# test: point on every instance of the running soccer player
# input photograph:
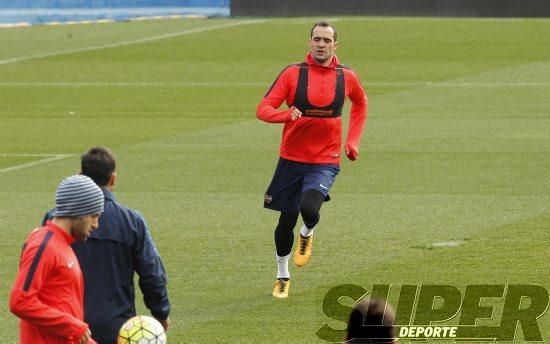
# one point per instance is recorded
(314, 91)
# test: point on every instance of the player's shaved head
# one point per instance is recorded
(323, 23)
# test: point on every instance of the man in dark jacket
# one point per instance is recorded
(119, 247)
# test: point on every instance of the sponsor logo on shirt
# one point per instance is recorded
(319, 113)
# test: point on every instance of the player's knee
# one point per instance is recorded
(308, 210)
(310, 214)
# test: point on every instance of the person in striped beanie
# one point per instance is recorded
(48, 293)
(122, 246)
(76, 197)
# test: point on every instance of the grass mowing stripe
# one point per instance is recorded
(135, 84)
(137, 41)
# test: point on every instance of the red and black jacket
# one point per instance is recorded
(319, 93)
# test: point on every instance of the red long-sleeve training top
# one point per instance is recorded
(316, 138)
(48, 293)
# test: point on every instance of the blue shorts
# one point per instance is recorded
(291, 178)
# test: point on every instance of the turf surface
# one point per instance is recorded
(451, 185)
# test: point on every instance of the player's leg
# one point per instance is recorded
(316, 186)
(310, 206)
(283, 194)
(284, 237)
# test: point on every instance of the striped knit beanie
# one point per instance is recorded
(78, 196)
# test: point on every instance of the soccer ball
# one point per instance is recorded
(141, 329)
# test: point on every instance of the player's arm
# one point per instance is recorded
(358, 116)
(152, 276)
(268, 109)
(35, 266)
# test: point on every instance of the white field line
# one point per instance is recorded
(452, 243)
(47, 158)
(123, 43)
(255, 84)
(134, 84)
(460, 84)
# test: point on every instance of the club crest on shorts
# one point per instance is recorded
(268, 198)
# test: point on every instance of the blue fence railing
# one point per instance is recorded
(111, 3)
(46, 11)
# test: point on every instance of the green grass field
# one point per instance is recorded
(451, 186)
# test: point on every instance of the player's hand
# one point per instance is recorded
(165, 323)
(87, 338)
(351, 152)
(294, 113)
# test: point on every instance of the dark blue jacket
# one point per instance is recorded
(121, 245)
